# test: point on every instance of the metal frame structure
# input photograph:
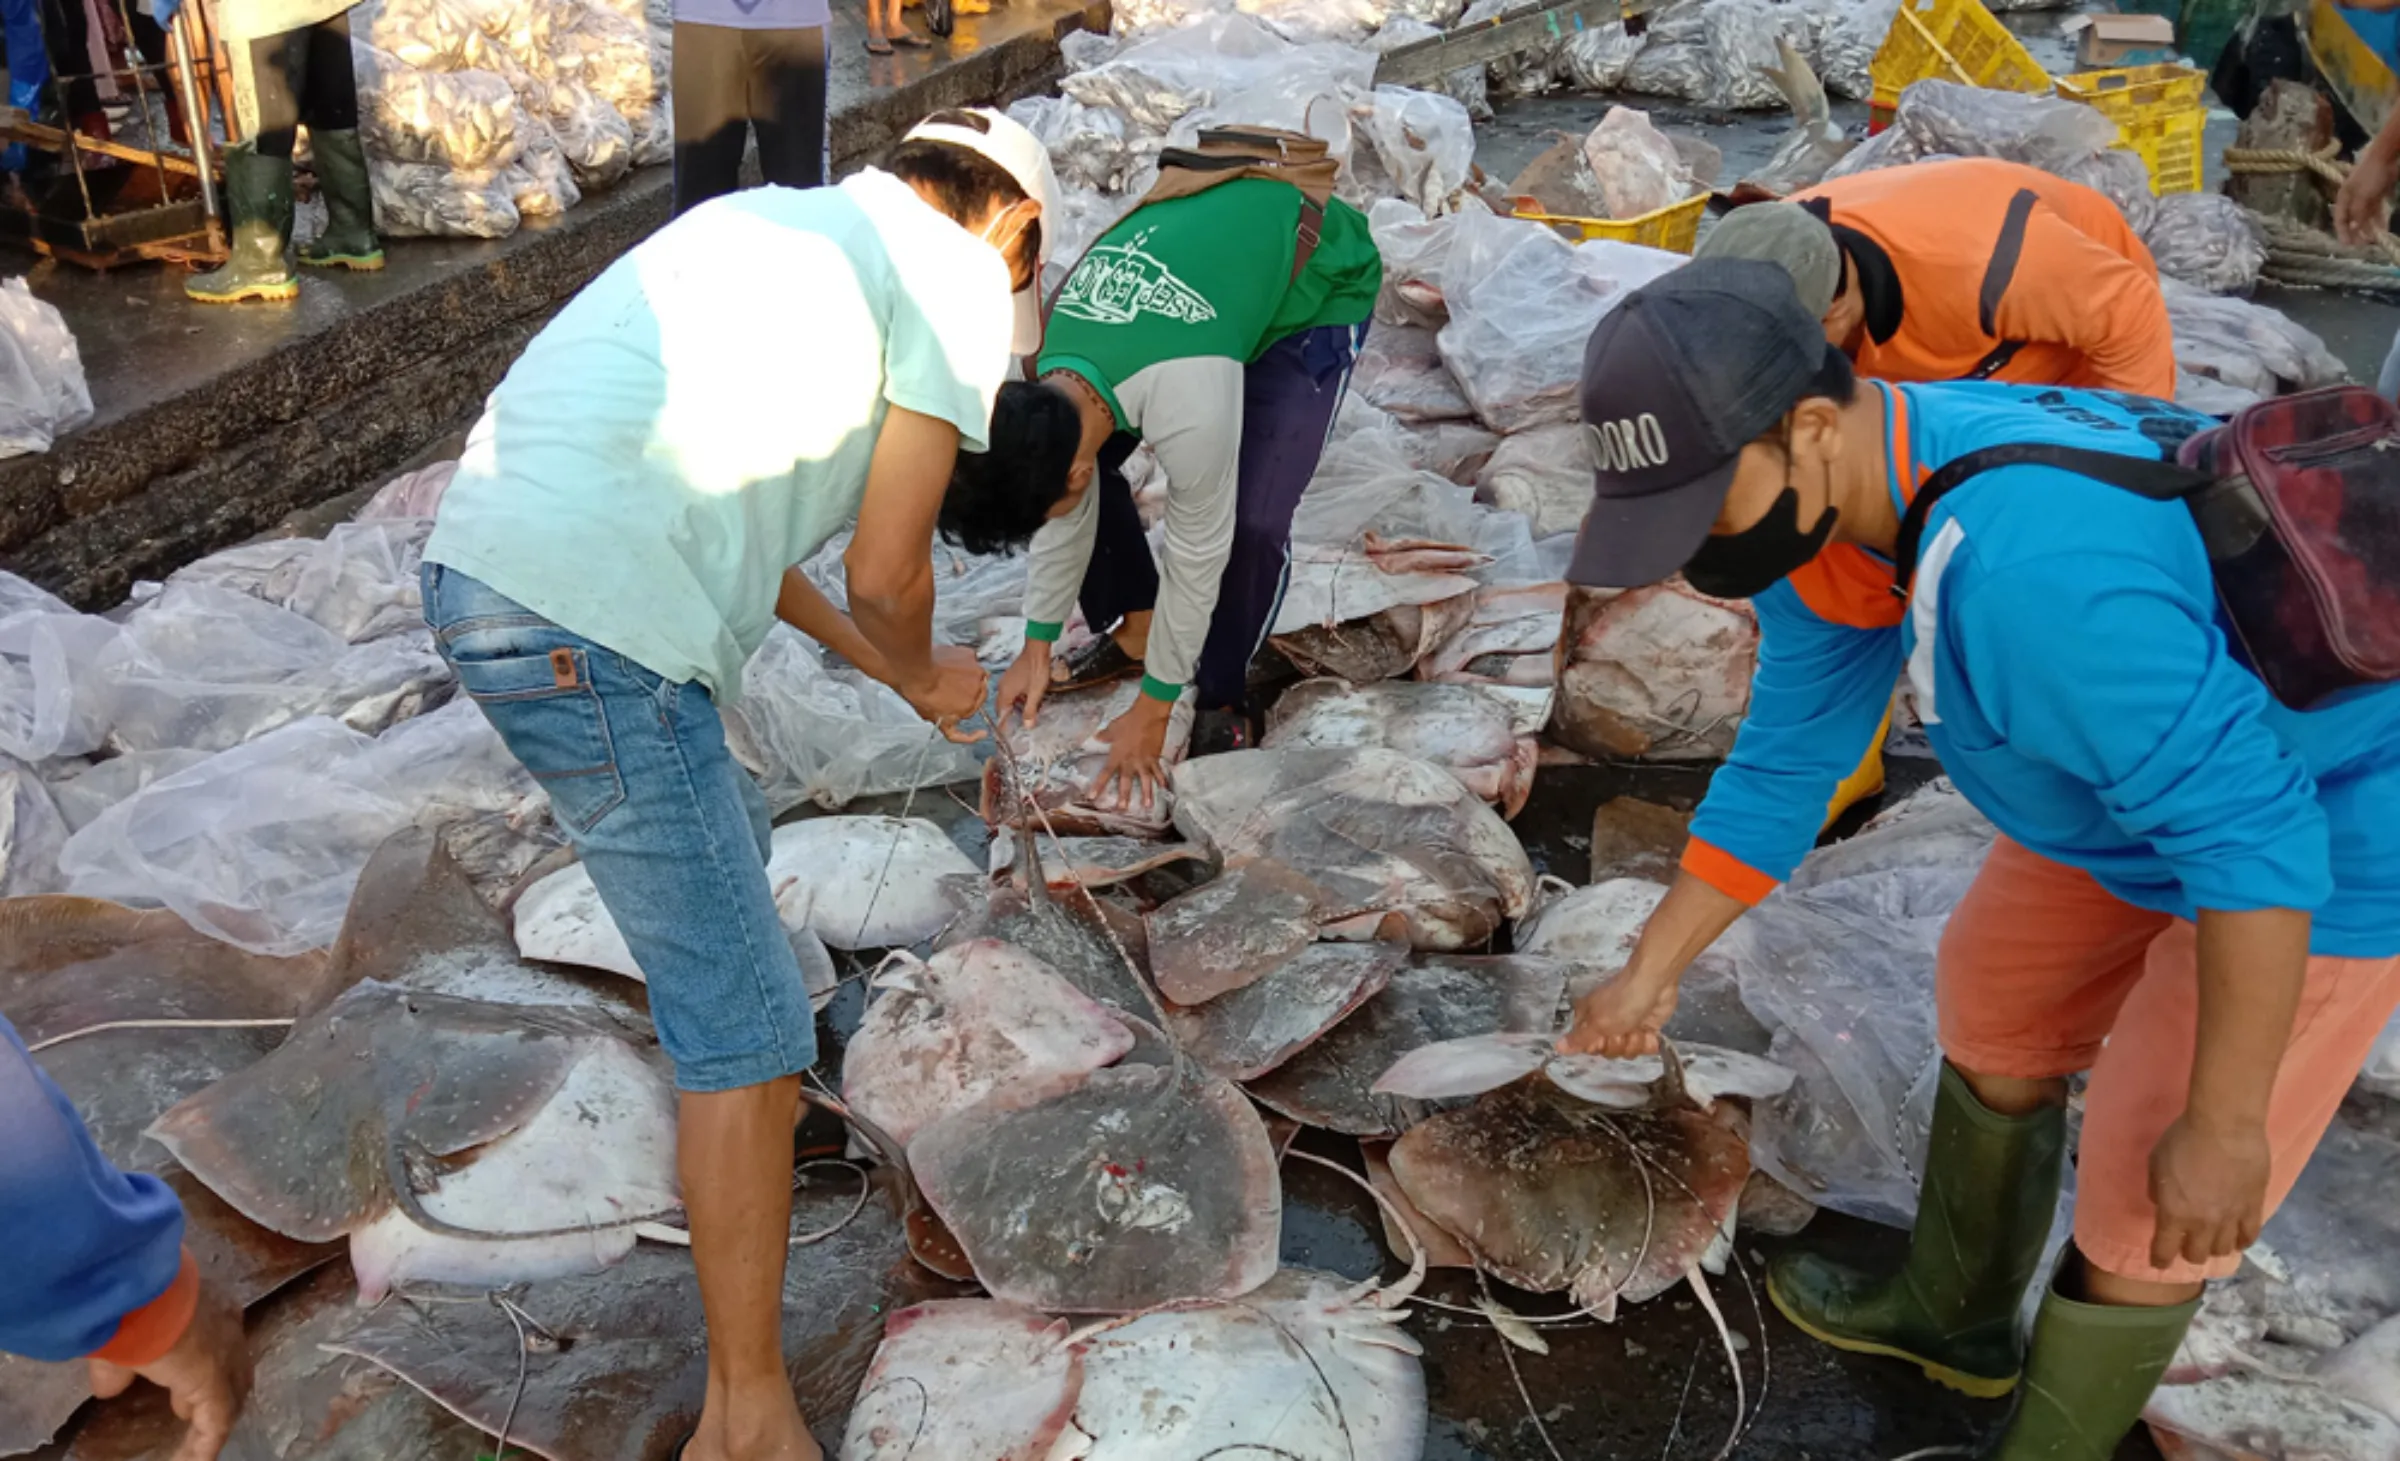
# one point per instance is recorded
(1521, 28)
(162, 203)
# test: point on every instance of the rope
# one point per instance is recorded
(2326, 165)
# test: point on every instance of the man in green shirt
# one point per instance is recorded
(1187, 326)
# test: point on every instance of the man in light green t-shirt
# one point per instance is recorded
(1187, 327)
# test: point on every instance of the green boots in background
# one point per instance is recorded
(258, 213)
(348, 241)
(1983, 1217)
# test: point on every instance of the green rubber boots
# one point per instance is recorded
(348, 241)
(1983, 1217)
(258, 211)
(1990, 1191)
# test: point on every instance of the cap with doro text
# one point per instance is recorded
(1022, 156)
(1691, 368)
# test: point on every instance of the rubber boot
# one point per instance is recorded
(258, 207)
(2091, 1371)
(348, 241)
(1983, 1218)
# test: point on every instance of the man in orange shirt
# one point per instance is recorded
(1972, 269)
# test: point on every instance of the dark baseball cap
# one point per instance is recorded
(1691, 368)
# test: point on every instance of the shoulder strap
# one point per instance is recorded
(2159, 480)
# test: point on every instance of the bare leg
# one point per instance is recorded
(1133, 633)
(2100, 1287)
(2010, 1095)
(734, 1154)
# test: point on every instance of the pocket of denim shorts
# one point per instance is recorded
(559, 731)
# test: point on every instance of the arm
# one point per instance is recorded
(802, 606)
(2073, 290)
(889, 571)
(1818, 694)
(2363, 209)
(1191, 415)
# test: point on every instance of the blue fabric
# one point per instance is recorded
(86, 1244)
(2379, 29)
(28, 67)
(671, 828)
(2081, 690)
(755, 14)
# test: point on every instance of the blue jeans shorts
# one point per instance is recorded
(671, 828)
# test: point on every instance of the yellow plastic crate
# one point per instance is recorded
(1675, 228)
(1952, 40)
(2160, 112)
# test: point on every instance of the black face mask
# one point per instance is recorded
(1745, 564)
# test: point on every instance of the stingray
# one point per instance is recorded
(1092, 862)
(1086, 941)
(944, 1034)
(1637, 839)
(1232, 931)
(1109, 1192)
(1243, 1035)
(1816, 141)
(869, 882)
(1551, 1193)
(613, 1364)
(1331, 1084)
(1386, 643)
(1376, 829)
(1592, 930)
(561, 920)
(1300, 1368)
(1682, 1074)
(1045, 778)
(966, 1378)
(1406, 1230)
(306, 1403)
(354, 1117)
(1655, 674)
(1471, 733)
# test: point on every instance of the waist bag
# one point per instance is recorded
(2298, 503)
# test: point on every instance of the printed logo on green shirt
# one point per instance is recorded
(1117, 283)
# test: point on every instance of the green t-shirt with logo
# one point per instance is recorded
(1207, 275)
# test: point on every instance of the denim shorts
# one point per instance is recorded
(671, 828)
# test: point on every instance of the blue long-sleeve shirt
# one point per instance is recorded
(86, 1245)
(2066, 650)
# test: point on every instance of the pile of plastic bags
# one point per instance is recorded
(42, 392)
(478, 114)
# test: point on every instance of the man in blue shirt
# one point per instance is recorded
(97, 1269)
(2197, 894)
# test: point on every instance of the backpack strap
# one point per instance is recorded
(1312, 232)
(2154, 478)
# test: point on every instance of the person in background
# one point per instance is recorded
(624, 529)
(1195, 325)
(97, 1269)
(887, 28)
(291, 68)
(1971, 269)
(745, 66)
(2195, 895)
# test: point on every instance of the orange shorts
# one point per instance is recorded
(2045, 973)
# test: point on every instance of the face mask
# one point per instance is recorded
(1745, 564)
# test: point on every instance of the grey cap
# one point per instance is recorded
(1788, 236)
(1691, 368)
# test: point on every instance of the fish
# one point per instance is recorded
(1476, 736)
(869, 882)
(1300, 1367)
(359, 1114)
(1656, 674)
(1094, 862)
(306, 1403)
(1432, 998)
(1815, 143)
(1232, 931)
(1591, 930)
(1379, 831)
(1249, 1032)
(1345, 614)
(1044, 778)
(944, 1033)
(1637, 839)
(1552, 1194)
(612, 1361)
(1545, 474)
(1108, 1193)
(1681, 1074)
(1510, 638)
(561, 920)
(966, 1378)
(1091, 943)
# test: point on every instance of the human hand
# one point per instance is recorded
(2210, 1184)
(206, 1375)
(2364, 206)
(1622, 1018)
(1137, 744)
(950, 692)
(1026, 681)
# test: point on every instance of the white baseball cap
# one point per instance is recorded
(1022, 156)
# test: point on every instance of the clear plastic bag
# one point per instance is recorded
(1941, 118)
(1840, 966)
(1416, 255)
(42, 390)
(51, 701)
(1090, 147)
(359, 581)
(1545, 474)
(813, 733)
(543, 186)
(1221, 60)
(421, 200)
(1401, 372)
(1424, 143)
(86, 791)
(32, 833)
(1522, 303)
(431, 35)
(1598, 58)
(2206, 240)
(597, 142)
(2245, 347)
(458, 119)
(653, 138)
(411, 494)
(1635, 167)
